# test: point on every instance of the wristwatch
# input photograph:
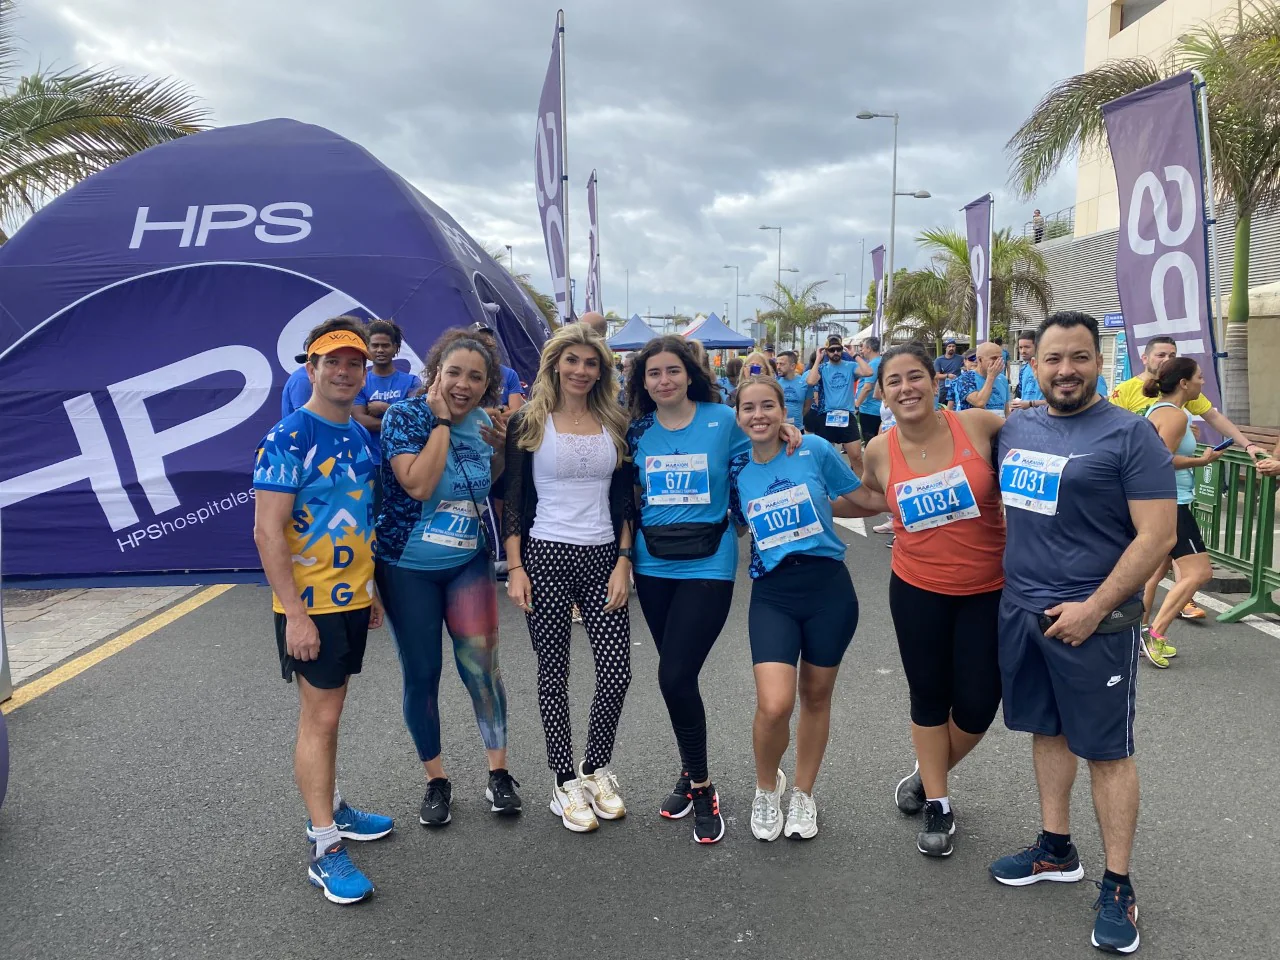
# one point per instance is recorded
(443, 422)
(628, 552)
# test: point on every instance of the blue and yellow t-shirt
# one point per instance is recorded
(329, 469)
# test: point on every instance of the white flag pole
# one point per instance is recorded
(1214, 273)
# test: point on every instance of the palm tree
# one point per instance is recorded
(545, 304)
(921, 306)
(795, 310)
(1017, 274)
(1242, 70)
(58, 127)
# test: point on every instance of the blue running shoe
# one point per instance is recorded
(356, 824)
(338, 877)
(1036, 863)
(1116, 929)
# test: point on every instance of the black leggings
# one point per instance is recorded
(949, 653)
(685, 618)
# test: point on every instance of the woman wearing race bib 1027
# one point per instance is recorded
(440, 451)
(803, 609)
(681, 442)
(935, 469)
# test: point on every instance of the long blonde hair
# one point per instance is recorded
(544, 395)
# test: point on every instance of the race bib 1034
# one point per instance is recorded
(936, 500)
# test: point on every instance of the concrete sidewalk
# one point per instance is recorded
(44, 627)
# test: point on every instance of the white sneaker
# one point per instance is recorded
(886, 527)
(603, 792)
(572, 805)
(802, 817)
(766, 811)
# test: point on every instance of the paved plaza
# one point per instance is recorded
(152, 813)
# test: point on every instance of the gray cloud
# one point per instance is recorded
(704, 120)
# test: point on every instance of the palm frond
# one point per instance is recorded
(1069, 118)
(9, 52)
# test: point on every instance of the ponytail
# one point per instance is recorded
(1171, 373)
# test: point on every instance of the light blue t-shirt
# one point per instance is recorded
(870, 406)
(444, 531)
(971, 382)
(1186, 477)
(839, 382)
(386, 389)
(510, 384)
(786, 503)
(296, 393)
(683, 476)
(1102, 385)
(1028, 385)
(795, 391)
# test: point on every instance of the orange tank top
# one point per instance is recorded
(949, 523)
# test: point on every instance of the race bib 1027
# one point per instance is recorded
(783, 517)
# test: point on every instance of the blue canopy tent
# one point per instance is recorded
(635, 333)
(714, 335)
(149, 318)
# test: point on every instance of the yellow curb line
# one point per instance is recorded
(72, 668)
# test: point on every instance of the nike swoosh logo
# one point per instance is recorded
(1113, 681)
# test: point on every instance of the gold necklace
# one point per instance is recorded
(924, 450)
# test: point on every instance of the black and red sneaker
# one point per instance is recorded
(708, 825)
(681, 800)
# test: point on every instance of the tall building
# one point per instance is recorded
(1116, 29)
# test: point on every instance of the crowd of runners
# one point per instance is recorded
(1030, 529)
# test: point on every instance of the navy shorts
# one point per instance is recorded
(1086, 693)
(803, 609)
(343, 636)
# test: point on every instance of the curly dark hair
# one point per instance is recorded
(453, 340)
(390, 328)
(701, 389)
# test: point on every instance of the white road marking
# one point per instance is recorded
(1269, 627)
(855, 524)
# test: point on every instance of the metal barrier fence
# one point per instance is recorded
(1236, 509)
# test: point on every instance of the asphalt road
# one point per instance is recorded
(152, 813)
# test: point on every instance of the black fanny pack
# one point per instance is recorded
(1121, 618)
(684, 541)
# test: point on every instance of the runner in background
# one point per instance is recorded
(935, 469)
(797, 393)
(986, 387)
(867, 402)
(948, 366)
(838, 378)
(384, 384)
(803, 607)
(1129, 395)
(1175, 387)
(440, 452)
(1029, 394)
(729, 382)
(313, 527)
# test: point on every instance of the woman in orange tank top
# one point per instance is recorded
(935, 469)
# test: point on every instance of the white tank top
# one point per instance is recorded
(572, 474)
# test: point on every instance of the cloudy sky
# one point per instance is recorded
(704, 118)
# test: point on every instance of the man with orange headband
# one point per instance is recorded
(313, 526)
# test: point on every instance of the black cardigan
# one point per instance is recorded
(521, 503)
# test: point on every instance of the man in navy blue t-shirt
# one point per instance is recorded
(1089, 497)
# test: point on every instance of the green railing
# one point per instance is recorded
(1236, 509)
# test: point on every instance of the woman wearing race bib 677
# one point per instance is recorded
(935, 468)
(803, 608)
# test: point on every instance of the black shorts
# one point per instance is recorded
(870, 424)
(342, 641)
(1189, 540)
(1087, 694)
(839, 435)
(803, 609)
(813, 422)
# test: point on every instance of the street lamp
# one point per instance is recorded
(779, 229)
(894, 194)
(736, 295)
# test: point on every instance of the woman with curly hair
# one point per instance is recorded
(440, 452)
(568, 530)
(682, 440)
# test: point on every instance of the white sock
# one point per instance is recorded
(325, 837)
(945, 801)
(337, 798)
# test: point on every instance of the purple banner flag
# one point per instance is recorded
(877, 276)
(594, 300)
(1162, 262)
(549, 174)
(977, 221)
